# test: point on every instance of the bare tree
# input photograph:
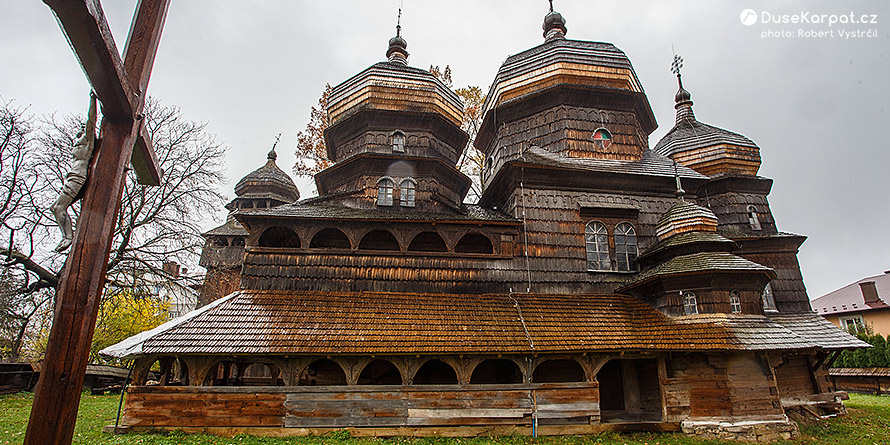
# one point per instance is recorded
(156, 224)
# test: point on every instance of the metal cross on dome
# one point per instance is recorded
(677, 64)
(120, 86)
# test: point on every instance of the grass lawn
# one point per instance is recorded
(867, 423)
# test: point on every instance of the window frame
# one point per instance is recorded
(631, 262)
(398, 147)
(689, 301)
(596, 243)
(611, 227)
(768, 298)
(856, 321)
(754, 219)
(408, 192)
(385, 198)
(735, 302)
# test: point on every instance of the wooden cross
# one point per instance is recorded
(120, 86)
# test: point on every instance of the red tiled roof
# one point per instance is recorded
(290, 322)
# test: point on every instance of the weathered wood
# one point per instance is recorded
(57, 394)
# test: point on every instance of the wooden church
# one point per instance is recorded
(598, 283)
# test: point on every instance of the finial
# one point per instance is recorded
(398, 47)
(682, 95)
(272, 156)
(680, 192)
(554, 25)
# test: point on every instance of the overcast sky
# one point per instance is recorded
(816, 106)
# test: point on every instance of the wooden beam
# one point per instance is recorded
(57, 394)
(139, 56)
(142, 42)
(83, 22)
(144, 160)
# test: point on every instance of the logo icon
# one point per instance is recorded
(748, 17)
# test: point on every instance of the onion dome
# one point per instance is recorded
(705, 148)
(554, 25)
(685, 217)
(266, 183)
(398, 48)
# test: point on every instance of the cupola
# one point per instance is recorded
(267, 186)
(587, 93)
(704, 148)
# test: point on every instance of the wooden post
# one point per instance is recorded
(57, 394)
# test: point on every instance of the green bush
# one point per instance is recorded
(877, 355)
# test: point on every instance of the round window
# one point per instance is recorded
(602, 138)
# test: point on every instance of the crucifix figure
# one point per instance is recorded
(75, 179)
(120, 87)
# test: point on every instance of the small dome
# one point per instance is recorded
(554, 25)
(268, 181)
(398, 48)
(682, 95)
(685, 217)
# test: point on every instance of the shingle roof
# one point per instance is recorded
(268, 179)
(849, 298)
(230, 228)
(563, 50)
(282, 322)
(683, 239)
(859, 372)
(818, 330)
(691, 134)
(652, 164)
(471, 212)
(700, 262)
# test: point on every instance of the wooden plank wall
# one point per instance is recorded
(200, 406)
(445, 405)
(736, 385)
(362, 406)
(793, 377)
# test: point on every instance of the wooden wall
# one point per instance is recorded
(368, 406)
(738, 385)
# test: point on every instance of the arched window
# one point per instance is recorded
(753, 219)
(427, 242)
(496, 371)
(330, 239)
(769, 302)
(322, 372)
(279, 237)
(435, 372)
(474, 243)
(380, 372)
(735, 302)
(690, 304)
(558, 371)
(398, 142)
(625, 247)
(378, 240)
(406, 193)
(597, 239)
(384, 191)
